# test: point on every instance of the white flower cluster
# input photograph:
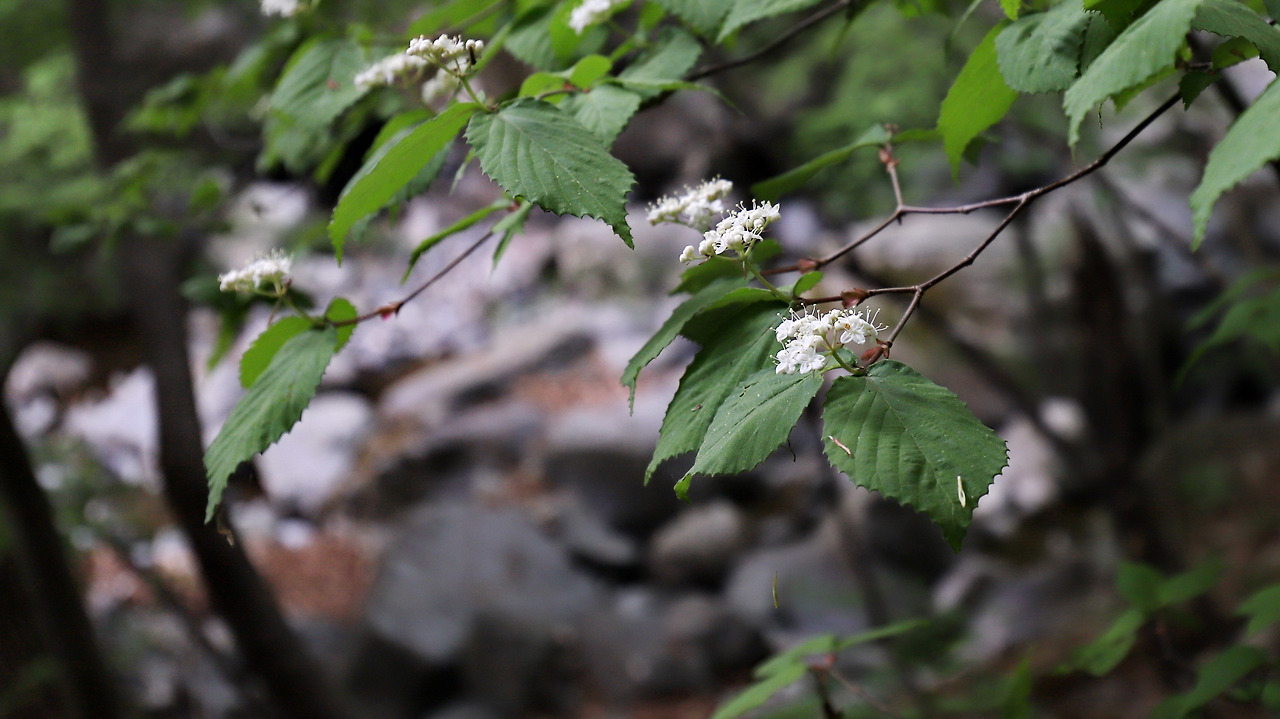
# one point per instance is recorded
(390, 71)
(695, 208)
(272, 268)
(593, 12)
(737, 232)
(283, 8)
(808, 338)
(447, 52)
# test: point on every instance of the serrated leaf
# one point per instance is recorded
(1212, 680)
(1233, 19)
(456, 227)
(605, 110)
(1192, 84)
(1117, 13)
(1097, 39)
(1232, 51)
(399, 164)
(978, 99)
(264, 347)
(1110, 648)
(736, 342)
(1145, 48)
(759, 693)
(535, 151)
(895, 432)
(270, 408)
(671, 329)
(1252, 141)
(1011, 8)
(704, 16)
(744, 12)
(1041, 52)
(1263, 609)
(793, 179)
(754, 420)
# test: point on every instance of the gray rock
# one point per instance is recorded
(699, 545)
(307, 466)
(455, 564)
(589, 538)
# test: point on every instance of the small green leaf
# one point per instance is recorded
(1041, 52)
(896, 433)
(605, 110)
(744, 12)
(1145, 48)
(1234, 19)
(737, 341)
(807, 281)
(830, 644)
(978, 99)
(793, 179)
(1252, 141)
(704, 16)
(671, 328)
(1107, 651)
(341, 310)
(260, 352)
(462, 224)
(1011, 8)
(672, 55)
(540, 82)
(534, 150)
(1232, 51)
(1139, 584)
(586, 71)
(510, 226)
(755, 419)
(1192, 84)
(401, 163)
(1190, 584)
(1214, 678)
(1263, 609)
(271, 406)
(760, 692)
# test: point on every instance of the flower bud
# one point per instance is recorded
(875, 354)
(853, 297)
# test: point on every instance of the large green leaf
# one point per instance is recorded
(672, 327)
(748, 11)
(793, 179)
(1252, 141)
(701, 15)
(895, 432)
(1041, 52)
(318, 82)
(737, 341)
(1145, 48)
(271, 406)
(258, 356)
(399, 163)
(754, 420)
(604, 110)
(1234, 19)
(535, 151)
(978, 99)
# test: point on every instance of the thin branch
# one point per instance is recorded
(776, 43)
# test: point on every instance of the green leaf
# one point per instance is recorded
(1192, 84)
(672, 327)
(895, 432)
(748, 11)
(1233, 19)
(510, 226)
(1254, 318)
(1252, 141)
(605, 110)
(1190, 584)
(759, 693)
(271, 406)
(394, 126)
(1214, 678)
(1107, 651)
(1011, 8)
(540, 82)
(704, 16)
(260, 352)
(673, 54)
(700, 275)
(1139, 584)
(754, 420)
(462, 224)
(831, 644)
(1145, 48)
(978, 99)
(1041, 52)
(399, 164)
(1118, 13)
(1263, 609)
(807, 281)
(535, 151)
(586, 71)
(318, 82)
(737, 341)
(793, 179)
(1232, 51)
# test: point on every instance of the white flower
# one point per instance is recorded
(446, 52)
(283, 8)
(695, 207)
(689, 255)
(742, 229)
(440, 87)
(272, 268)
(389, 71)
(593, 12)
(809, 338)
